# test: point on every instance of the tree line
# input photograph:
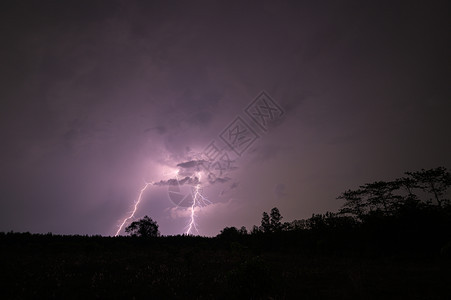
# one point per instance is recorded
(398, 205)
(424, 190)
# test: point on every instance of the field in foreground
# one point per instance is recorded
(181, 267)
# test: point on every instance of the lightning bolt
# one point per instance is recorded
(132, 214)
(192, 223)
(199, 200)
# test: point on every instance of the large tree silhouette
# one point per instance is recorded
(276, 218)
(271, 222)
(388, 197)
(434, 181)
(265, 224)
(145, 227)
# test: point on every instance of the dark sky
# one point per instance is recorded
(99, 97)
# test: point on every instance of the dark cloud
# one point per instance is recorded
(233, 186)
(191, 164)
(214, 179)
(175, 182)
(159, 129)
(201, 119)
(279, 190)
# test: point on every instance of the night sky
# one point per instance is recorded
(100, 97)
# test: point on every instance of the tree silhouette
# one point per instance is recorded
(145, 227)
(270, 223)
(354, 203)
(381, 197)
(384, 198)
(229, 232)
(408, 184)
(243, 230)
(295, 225)
(265, 224)
(255, 230)
(276, 217)
(434, 181)
(232, 232)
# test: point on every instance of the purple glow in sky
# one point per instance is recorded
(100, 97)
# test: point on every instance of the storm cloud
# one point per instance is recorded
(174, 182)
